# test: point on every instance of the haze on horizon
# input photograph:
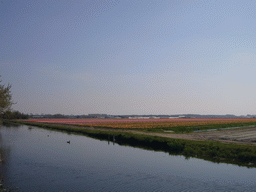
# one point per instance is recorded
(129, 57)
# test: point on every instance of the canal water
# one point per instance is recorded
(36, 159)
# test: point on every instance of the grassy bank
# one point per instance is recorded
(243, 155)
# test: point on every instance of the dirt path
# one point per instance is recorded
(240, 136)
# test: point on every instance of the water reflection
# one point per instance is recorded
(8, 124)
(87, 164)
(113, 139)
(4, 156)
(4, 151)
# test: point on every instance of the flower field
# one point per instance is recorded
(167, 124)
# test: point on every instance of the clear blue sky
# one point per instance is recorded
(130, 56)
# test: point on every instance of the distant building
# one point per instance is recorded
(100, 116)
(138, 117)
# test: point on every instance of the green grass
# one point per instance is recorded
(243, 155)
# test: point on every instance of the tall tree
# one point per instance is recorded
(5, 98)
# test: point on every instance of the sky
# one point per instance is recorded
(124, 57)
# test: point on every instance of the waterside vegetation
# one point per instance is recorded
(242, 155)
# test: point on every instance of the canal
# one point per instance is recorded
(36, 159)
